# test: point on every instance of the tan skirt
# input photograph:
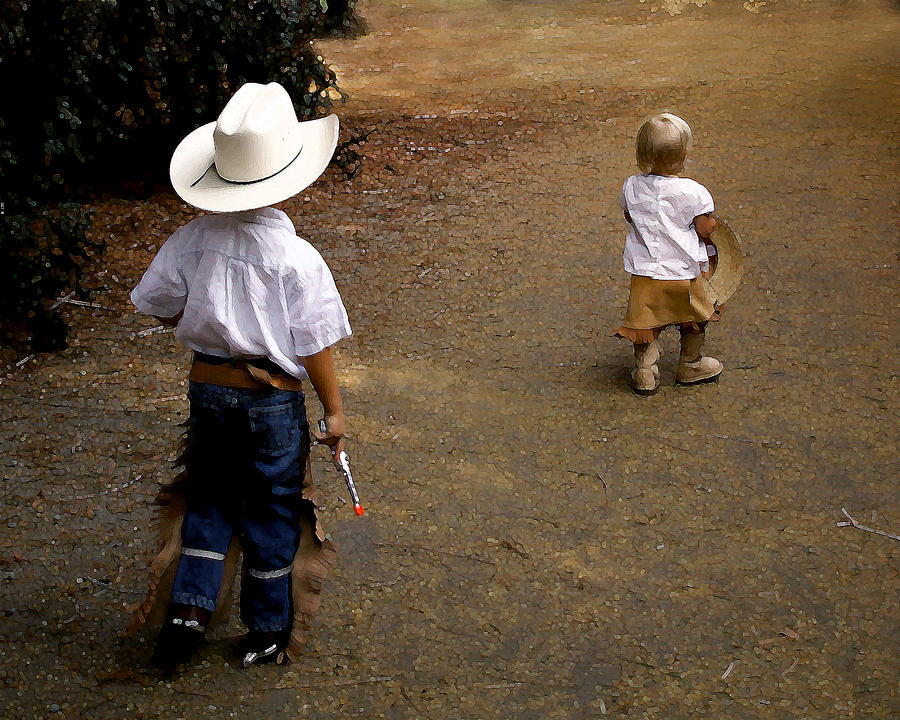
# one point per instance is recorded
(654, 305)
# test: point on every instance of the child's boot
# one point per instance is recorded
(181, 636)
(693, 366)
(260, 646)
(645, 376)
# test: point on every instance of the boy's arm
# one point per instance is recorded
(170, 321)
(320, 368)
(162, 290)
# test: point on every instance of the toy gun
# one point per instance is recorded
(344, 461)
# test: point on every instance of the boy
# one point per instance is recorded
(259, 307)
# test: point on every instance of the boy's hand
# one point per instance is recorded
(332, 436)
(170, 321)
(320, 369)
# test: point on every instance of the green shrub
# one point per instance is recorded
(98, 94)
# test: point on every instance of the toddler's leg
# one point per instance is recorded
(693, 366)
(645, 376)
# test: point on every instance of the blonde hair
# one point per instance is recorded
(662, 143)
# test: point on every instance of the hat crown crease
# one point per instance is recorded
(232, 116)
(257, 134)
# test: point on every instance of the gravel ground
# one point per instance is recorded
(539, 542)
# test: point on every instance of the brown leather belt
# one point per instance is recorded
(239, 374)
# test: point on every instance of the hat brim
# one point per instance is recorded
(196, 181)
(728, 268)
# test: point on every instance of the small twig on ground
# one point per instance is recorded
(540, 519)
(24, 360)
(215, 695)
(152, 331)
(109, 586)
(331, 684)
(514, 548)
(85, 303)
(87, 496)
(594, 475)
(435, 550)
(865, 528)
(15, 366)
(341, 683)
(790, 669)
(380, 584)
(863, 414)
(60, 301)
(75, 615)
(766, 443)
(517, 683)
(414, 706)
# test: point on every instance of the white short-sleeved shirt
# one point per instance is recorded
(662, 242)
(249, 288)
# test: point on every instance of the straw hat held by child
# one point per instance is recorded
(669, 218)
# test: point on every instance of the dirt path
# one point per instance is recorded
(539, 542)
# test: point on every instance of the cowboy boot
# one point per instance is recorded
(260, 646)
(693, 367)
(645, 376)
(181, 636)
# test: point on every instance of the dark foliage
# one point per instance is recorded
(341, 19)
(98, 94)
(346, 157)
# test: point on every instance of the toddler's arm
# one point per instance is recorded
(624, 206)
(704, 224)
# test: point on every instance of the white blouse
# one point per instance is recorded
(248, 286)
(662, 242)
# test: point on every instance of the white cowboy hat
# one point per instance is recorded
(256, 154)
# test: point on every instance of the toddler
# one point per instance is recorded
(669, 221)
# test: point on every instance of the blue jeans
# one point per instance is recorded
(247, 453)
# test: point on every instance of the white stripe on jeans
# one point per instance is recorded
(270, 574)
(207, 554)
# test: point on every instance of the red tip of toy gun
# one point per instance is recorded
(359, 509)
